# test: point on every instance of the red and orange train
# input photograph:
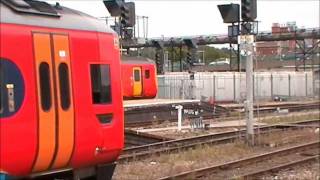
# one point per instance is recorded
(61, 100)
(139, 78)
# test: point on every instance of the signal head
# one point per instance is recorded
(248, 10)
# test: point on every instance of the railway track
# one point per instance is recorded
(273, 105)
(255, 174)
(255, 165)
(290, 108)
(140, 152)
(263, 110)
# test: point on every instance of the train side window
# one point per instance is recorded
(136, 74)
(12, 89)
(100, 83)
(2, 90)
(147, 74)
(1, 98)
(45, 89)
(64, 86)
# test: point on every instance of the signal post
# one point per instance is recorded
(246, 38)
(246, 51)
(248, 30)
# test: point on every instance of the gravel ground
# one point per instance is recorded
(159, 166)
(309, 171)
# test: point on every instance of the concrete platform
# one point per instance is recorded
(237, 123)
(268, 104)
(155, 102)
(147, 111)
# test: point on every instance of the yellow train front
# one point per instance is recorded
(61, 99)
(139, 78)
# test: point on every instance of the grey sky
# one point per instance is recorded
(191, 17)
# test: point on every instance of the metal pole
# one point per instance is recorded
(230, 50)
(295, 50)
(147, 28)
(304, 55)
(230, 55)
(138, 26)
(312, 66)
(313, 53)
(172, 56)
(238, 57)
(180, 54)
(143, 27)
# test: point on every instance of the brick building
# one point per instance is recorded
(278, 48)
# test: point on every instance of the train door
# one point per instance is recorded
(55, 101)
(137, 81)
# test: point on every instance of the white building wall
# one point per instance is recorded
(231, 86)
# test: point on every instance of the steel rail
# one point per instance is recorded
(198, 173)
(139, 152)
(279, 167)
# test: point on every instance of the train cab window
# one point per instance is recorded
(100, 83)
(45, 89)
(64, 86)
(136, 74)
(147, 74)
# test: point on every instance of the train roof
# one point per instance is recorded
(38, 13)
(136, 60)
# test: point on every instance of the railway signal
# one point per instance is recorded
(248, 10)
(127, 14)
(189, 58)
(229, 12)
(113, 7)
(159, 56)
(191, 53)
(124, 15)
(124, 10)
(159, 63)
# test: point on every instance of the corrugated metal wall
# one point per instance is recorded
(231, 86)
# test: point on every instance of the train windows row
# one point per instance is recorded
(137, 74)
(45, 87)
(100, 82)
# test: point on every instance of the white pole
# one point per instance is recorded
(249, 81)
(179, 107)
(247, 52)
